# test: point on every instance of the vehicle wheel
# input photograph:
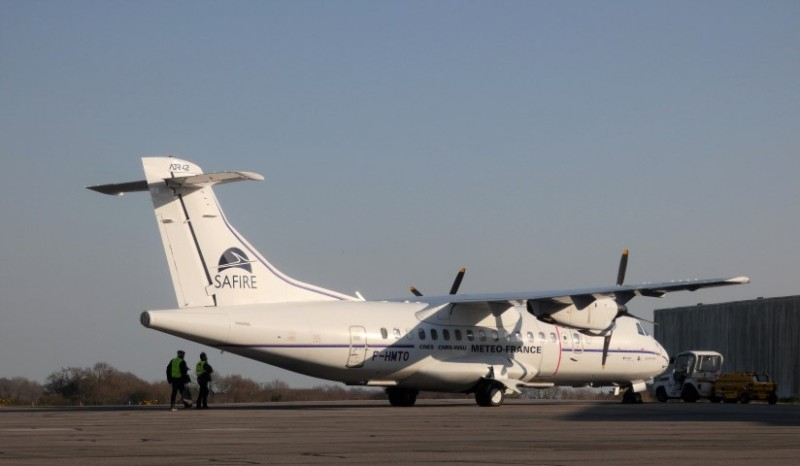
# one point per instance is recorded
(401, 396)
(744, 398)
(690, 394)
(772, 398)
(661, 395)
(490, 395)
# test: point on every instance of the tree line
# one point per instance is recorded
(104, 385)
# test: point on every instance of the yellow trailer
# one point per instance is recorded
(746, 386)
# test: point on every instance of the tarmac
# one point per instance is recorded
(433, 432)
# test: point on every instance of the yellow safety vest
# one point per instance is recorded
(176, 368)
(200, 368)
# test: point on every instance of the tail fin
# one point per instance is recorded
(211, 263)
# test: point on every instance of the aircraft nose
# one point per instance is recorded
(663, 355)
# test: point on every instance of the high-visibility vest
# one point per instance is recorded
(176, 368)
(200, 368)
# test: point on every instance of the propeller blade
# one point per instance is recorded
(606, 343)
(623, 265)
(457, 281)
(415, 291)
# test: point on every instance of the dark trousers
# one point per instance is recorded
(202, 397)
(177, 390)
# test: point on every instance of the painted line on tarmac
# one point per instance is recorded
(37, 429)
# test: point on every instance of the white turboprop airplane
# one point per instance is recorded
(231, 298)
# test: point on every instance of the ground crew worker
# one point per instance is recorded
(203, 370)
(178, 377)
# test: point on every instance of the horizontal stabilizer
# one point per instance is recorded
(193, 181)
(118, 189)
(210, 179)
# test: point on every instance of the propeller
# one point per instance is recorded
(606, 342)
(453, 289)
(623, 265)
(457, 281)
(623, 310)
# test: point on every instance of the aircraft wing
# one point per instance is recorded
(566, 307)
(619, 293)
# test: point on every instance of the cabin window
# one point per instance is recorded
(576, 338)
(434, 334)
(481, 335)
(517, 336)
(470, 335)
(458, 334)
(493, 333)
(396, 333)
(446, 334)
(530, 336)
(503, 334)
(553, 337)
(542, 338)
(421, 334)
(384, 333)
(709, 364)
(409, 334)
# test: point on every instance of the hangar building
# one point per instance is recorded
(761, 335)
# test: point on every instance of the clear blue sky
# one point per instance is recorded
(527, 141)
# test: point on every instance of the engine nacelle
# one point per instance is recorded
(597, 315)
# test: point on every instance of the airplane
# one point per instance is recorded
(490, 345)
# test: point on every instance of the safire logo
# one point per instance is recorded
(234, 258)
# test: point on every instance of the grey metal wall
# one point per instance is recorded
(757, 335)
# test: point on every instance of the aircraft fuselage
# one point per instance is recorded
(410, 344)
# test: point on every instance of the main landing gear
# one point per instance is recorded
(490, 394)
(631, 397)
(401, 396)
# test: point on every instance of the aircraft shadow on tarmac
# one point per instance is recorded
(774, 415)
(764, 414)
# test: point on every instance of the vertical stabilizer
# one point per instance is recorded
(211, 264)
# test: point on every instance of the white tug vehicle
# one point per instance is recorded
(692, 377)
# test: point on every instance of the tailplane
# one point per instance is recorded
(210, 262)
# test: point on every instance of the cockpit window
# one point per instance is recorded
(641, 329)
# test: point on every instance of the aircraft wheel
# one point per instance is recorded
(661, 395)
(631, 397)
(401, 396)
(490, 395)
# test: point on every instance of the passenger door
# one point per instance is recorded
(358, 346)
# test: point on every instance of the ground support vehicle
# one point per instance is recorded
(746, 386)
(691, 378)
